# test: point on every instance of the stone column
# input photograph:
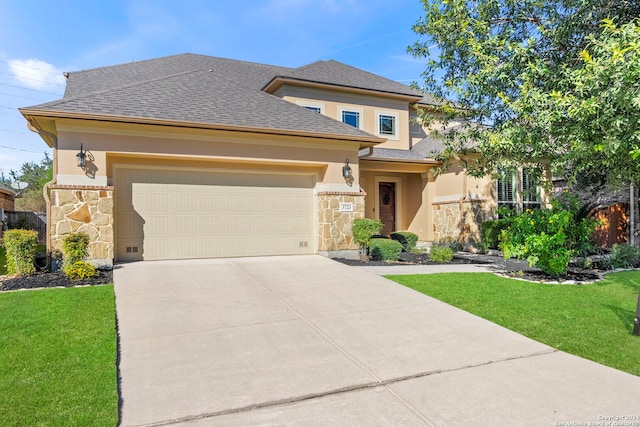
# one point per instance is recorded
(336, 212)
(85, 209)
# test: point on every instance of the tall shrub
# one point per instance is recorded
(20, 246)
(75, 247)
(362, 230)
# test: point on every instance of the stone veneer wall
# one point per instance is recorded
(459, 221)
(83, 209)
(334, 227)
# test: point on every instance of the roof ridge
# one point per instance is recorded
(98, 92)
(123, 64)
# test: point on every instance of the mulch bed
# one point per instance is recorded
(407, 258)
(509, 269)
(52, 280)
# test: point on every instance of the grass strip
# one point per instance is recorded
(58, 352)
(594, 321)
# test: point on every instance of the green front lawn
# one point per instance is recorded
(58, 357)
(592, 321)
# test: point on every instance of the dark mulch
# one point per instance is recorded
(511, 268)
(572, 275)
(52, 280)
(407, 258)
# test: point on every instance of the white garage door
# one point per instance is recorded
(177, 214)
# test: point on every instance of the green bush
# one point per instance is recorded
(441, 253)
(20, 246)
(549, 238)
(362, 230)
(490, 232)
(79, 270)
(625, 256)
(75, 247)
(385, 249)
(407, 239)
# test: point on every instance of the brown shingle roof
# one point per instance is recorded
(338, 74)
(201, 97)
(211, 91)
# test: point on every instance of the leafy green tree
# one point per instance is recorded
(550, 82)
(36, 175)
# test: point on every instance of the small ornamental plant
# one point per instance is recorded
(79, 270)
(362, 230)
(75, 247)
(20, 246)
(441, 253)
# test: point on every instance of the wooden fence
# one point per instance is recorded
(29, 221)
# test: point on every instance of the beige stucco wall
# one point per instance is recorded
(106, 144)
(333, 102)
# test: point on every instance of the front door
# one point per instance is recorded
(387, 206)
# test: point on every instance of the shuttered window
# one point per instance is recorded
(531, 189)
(522, 186)
(506, 189)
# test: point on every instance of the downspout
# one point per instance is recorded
(369, 154)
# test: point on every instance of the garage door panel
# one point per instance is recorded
(188, 214)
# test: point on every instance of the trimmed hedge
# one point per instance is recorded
(385, 249)
(407, 239)
(490, 231)
(21, 247)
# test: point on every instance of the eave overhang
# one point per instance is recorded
(34, 116)
(279, 81)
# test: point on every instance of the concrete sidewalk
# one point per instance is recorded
(308, 341)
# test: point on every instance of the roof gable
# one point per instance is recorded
(336, 73)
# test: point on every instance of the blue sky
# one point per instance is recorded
(40, 39)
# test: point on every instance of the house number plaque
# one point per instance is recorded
(346, 207)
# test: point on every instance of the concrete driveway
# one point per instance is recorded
(304, 340)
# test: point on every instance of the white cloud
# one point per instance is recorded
(36, 74)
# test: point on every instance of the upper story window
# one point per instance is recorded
(313, 108)
(387, 125)
(351, 118)
(317, 107)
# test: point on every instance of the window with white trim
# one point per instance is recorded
(317, 107)
(519, 189)
(387, 125)
(507, 189)
(351, 118)
(531, 198)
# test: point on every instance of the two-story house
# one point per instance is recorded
(193, 156)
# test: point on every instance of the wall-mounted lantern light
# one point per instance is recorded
(346, 170)
(80, 157)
